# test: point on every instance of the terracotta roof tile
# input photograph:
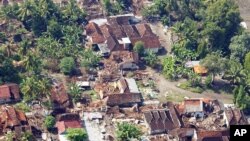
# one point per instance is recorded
(131, 31)
(144, 30)
(62, 126)
(4, 92)
(212, 135)
(12, 117)
(149, 42)
(14, 89)
(93, 30)
(160, 121)
(59, 95)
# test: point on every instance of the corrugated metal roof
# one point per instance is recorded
(132, 85)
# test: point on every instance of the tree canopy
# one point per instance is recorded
(126, 131)
(76, 134)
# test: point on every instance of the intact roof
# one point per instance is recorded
(131, 31)
(191, 64)
(117, 31)
(144, 30)
(149, 42)
(160, 121)
(93, 30)
(126, 40)
(200, 69)
(62, 126)
(123, 99)
(14, 89)
(112, 43)
(105, 30)
(193, 105)
(132, 85)
(4, 92)
(103, 48)
(68, 116)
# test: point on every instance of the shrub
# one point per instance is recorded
(67, 65)
(49, 122)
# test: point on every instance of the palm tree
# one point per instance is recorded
(235, 74)
(45, 87)
(29, 88)
(26, 9)
(32, 63)
(24, 47)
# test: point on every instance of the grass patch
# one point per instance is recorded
(187, 86)
(23, 107)
(93, 94)
(173, 97)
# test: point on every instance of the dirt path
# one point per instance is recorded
(244, 6)
(166, 87)
(165, 38)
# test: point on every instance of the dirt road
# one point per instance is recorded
(167, 87)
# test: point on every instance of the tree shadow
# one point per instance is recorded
(162, 52)
(220, 86)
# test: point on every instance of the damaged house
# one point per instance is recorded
(9, 93)
(123, 100)
(66, 121)
(13, 120)
(59, 97)
(234, 116)
(194, 107)
(125, 59)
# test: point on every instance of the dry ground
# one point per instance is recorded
(244, 6)
(170, 89)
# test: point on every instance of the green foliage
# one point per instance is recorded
(215, 63)
(49, 122)
(116, 7)
(23, 107)
(27, 136)
(34, 87)
(38, 25)
(75, 92)
(126, 131)
(235, 74)
(89, 59)
(208, 81)
(170, 68)
(139, 48)
(8, 73)
(67, 65)
(71, 13)
(194, 79)
(240, 46)
(76, 134)
(32, 63)
(9, 136)
(247, 62)
(240, 98)
(151, 59)
(55, 29)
